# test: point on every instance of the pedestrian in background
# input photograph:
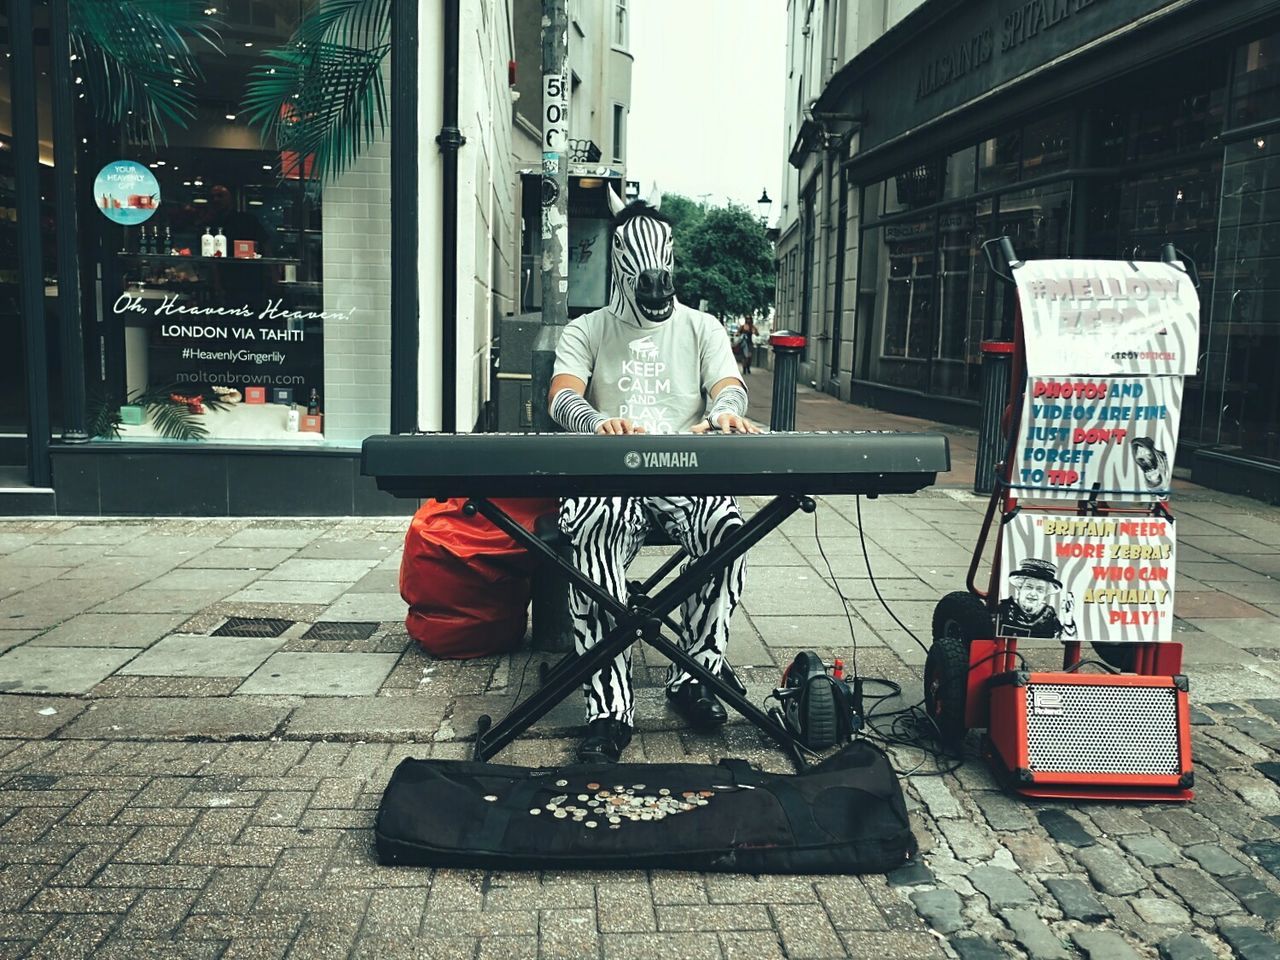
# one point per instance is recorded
(745, 342)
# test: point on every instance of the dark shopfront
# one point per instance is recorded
(237, 324)
(1080, 128)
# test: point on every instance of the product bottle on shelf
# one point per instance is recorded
(220, 244)
(313, 405)
(167, 249)
(292, 425)
(144, 241)
(206, 243)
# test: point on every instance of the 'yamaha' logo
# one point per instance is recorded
(664, 460)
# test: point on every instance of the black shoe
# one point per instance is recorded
(698, 705)
(604, 742)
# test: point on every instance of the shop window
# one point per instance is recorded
(1255, 84)
(1046, 146)
(915, 187)
(244, 300)
(998, 160)
(958, 175)
(1241, 406)
(908, 289)
(1179, 114)
(1038, 221)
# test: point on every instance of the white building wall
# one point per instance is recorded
(430, 222)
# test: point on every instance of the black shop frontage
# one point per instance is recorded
(1080, 128)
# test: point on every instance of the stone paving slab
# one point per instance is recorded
(321, 674)
(212, 718)
(200, 656)
(110, 630)
(33, 718)
(30, 669)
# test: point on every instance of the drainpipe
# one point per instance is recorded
(450, 141)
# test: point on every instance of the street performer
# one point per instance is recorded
(647, 363)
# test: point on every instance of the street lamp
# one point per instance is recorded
(764, 205)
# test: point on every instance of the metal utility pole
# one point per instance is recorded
(555, 203)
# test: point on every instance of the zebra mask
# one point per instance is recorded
(642, 261)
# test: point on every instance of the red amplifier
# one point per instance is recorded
(1091, 736)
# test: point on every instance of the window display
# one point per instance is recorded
(243, 300)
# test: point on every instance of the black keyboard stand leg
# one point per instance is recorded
(644, 623)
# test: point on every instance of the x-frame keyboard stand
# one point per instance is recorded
(641, 618)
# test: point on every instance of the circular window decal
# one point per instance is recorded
(125, 191)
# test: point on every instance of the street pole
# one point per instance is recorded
(556, 632)
(555, 203)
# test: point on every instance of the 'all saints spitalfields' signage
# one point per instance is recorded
(1021, 24)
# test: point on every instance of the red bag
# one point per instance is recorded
(466, 582)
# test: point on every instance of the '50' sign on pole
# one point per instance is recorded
(555, 113)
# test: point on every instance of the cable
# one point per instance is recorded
(866, 557)
(844, 604)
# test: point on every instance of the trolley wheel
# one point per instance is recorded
(1122, 656)
(820, 723)
(544, 671)
(958, 619)
(483, 723)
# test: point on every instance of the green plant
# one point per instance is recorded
(321, 95)
(137, 66)
(170, 419)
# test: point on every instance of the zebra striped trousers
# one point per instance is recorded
(607, 533)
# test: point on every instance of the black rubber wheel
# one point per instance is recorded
(544, 671)
(820, 722)
(1122, 656)
(958, 620)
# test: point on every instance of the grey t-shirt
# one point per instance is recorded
(654, 374)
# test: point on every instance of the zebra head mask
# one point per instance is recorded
(642, 261)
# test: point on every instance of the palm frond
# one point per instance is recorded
(322, 95)
(137, 66)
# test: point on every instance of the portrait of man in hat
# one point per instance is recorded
(1030, 610)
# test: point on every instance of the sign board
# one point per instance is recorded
(1098, 578)
(126, 192)
(1105, 317)
(1113, 435)
(265, 344)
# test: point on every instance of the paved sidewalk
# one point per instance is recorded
(172, 792)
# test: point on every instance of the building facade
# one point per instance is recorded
(243, 321)
(1079, 128)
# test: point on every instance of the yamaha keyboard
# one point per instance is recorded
(444, 465)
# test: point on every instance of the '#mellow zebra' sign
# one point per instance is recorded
(1106, 317)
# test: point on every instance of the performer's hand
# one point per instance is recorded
(619, 425)
(1068, 610)
(728, 423)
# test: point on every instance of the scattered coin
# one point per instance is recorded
(534, 812)
(491, 798)
(593, 786)
(562, 783)
(560, 814)
(592, 824)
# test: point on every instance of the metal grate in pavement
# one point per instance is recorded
(253, 627)
(340, 631)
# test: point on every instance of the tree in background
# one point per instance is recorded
(722, 256)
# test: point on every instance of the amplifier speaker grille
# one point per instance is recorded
(1102, 729)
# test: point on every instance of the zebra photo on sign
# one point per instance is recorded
(1096, 578)
(1104, 317)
